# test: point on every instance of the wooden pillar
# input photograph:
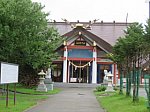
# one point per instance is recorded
(114, 81)
(65, 65)
(94, 65)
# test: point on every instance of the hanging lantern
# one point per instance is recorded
(75, 68)
(94, 43)
(65, 43)
(89, 64)
(80, 33)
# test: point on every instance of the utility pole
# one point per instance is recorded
(148, 1)
(149, 9)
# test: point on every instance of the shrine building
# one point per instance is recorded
(83, 54)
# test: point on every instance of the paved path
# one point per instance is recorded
(142, 92)
(70, 100)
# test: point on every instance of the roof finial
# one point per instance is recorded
(88, 27)
(65, 20)
(78, 24)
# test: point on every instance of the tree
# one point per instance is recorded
(147, 40)
(25, 38)
(135, 40)
(127, 53)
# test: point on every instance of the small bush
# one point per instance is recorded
(116, 88)
(100, 88)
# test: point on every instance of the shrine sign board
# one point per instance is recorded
(80, 42)
(8, 73)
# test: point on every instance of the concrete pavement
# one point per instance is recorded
(73, 98)
(70, 100)
(142, 92)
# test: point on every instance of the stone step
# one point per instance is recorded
(75, 85)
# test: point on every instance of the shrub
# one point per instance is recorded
(116, 88)
(100, 88)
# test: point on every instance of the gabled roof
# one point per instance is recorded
(90, 36)
(108, 31)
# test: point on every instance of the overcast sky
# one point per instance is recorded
(106, 10)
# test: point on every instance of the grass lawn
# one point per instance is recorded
(22, 89)
(23, 101)
(120, 103)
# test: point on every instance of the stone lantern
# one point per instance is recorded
(41, 86)
(109, 87)
(48, 81)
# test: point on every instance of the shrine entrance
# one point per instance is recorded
(79, 72)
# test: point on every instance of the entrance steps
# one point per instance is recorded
(75, 85)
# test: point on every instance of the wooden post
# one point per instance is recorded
(114, 74)
(15, 94)
(7, 98)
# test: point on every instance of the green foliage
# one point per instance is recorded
(25, 38)
(129, 45)
(100, 88)
(147, 31)
(116, 88)
(147, 38)
(127, 52)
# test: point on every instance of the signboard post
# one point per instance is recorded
(7, 97)
(9, 74)
(15, 94)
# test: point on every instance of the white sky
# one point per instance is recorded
(106, 10)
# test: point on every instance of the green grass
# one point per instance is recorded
(22, 89)
(120, 103)
(23, 101)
